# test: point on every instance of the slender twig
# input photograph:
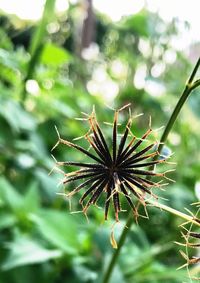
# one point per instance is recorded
(116, 252)
(187, 217)
(190, 86)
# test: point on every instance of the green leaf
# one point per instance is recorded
(19, 204)
(20, 119)
(59, 229)
(137, 23)
(31, 201)
(7, 59)
(24, 251)
(84, 274)
(7, 220)
(54, 55)
(9, 195)
(10, 66)
(48, 183)
(6, 43)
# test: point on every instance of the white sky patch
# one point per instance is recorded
(25, 9)
(62, 5)
(30, 9)
(115, 9)
(187, 10)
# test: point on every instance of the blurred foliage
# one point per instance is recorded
(45, 80)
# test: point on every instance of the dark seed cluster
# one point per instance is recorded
(123, 170)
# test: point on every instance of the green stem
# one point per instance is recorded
(190, 86)
(178, 213)
(116, 252)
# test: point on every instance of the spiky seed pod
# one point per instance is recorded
(115, 172)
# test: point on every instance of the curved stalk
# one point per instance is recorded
(190, 86)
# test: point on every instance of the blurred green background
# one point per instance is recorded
(50, 71)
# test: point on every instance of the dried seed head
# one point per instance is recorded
(123, 170)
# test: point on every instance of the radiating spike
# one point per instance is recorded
(142, 172)
(96, 149)
(138, 196)
(151, 155)
(115, 136)
(102, 138)
(148, 182)
(123, 153)
(79, 164)
(94, 187)
(123, 139)
(100, 146)
(194, 235)
(116, 205)
(99, 136)
(70, 144)
(138, 185)
(107, 202)
(72, 179)
(124, 191)
(88, 170)
(82, 185)
(133, 148)
(138, 154)
(145, 164)
(95, 196)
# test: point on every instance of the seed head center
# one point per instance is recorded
(113, 169)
